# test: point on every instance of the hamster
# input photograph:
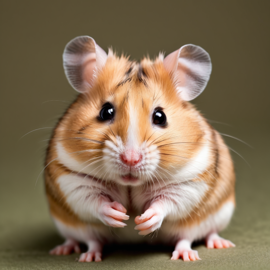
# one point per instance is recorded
(132, 151)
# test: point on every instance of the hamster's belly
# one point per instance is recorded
(169, 232)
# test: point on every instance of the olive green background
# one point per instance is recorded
(34, 93)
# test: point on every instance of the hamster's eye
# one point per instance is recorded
(107, 112)
(159, 118)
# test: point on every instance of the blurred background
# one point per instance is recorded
(34, 94)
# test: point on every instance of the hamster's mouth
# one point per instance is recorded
(129, 178)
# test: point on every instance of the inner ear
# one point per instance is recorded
(190, 67)
(83, 59)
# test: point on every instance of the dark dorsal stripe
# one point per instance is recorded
(127, 77)
(214, 135)
(141, 75)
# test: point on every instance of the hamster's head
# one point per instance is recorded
(132, 122)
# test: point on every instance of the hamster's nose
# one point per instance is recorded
(131, 157)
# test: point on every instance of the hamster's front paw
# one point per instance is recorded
(149, 221)
(112, 213)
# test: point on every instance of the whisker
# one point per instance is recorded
(91, 163)
(112, 131)
(44, 169)
(217, 122)
(166, 154)
(194, 165)
(151, 136)
(54, 160)
(34, 131)
(101, 166)
(239, 155)
(106, 135)
(158, 138)
(159, 146)
(78, 138)
(227, 135)
(175, 137)
(166, 171)
(75, 172)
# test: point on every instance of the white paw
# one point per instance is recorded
(90, 256)
(186, 255)
(67, 248)
(149, 221)
(215, 241)
(112, 214)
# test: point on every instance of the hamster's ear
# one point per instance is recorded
(191, 68)
(83, 59)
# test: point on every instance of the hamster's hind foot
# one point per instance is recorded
(213, 240)
(94, 252)
(90, 256)
(68, 247)
(183, 250)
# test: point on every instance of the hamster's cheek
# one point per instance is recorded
(68, 158)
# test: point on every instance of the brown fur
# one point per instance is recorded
(221, 183)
